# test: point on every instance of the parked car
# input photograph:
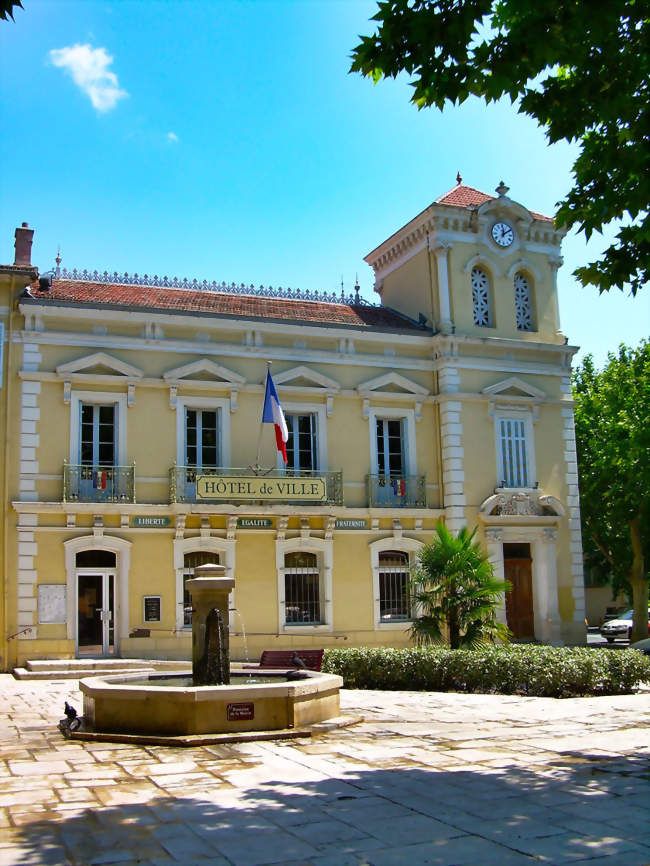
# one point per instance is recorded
(621, 627)
(643, 646)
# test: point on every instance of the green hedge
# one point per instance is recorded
(536, 670)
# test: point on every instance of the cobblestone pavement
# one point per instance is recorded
(427, 778)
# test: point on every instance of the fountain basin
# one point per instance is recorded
(115, 704)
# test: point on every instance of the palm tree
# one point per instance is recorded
(456, 592)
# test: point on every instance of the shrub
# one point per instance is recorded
(539, 671)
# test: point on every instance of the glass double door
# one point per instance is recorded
(96, 613)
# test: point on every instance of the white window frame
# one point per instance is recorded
(225, 550)
(219, 404)
(319, 410)
(411, 546)
(324, 550)
(97, 398)
(408, 416)
(525, 415)
(2, 349)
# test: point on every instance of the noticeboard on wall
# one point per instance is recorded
(152, 608)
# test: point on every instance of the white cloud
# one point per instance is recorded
(88, 67)
(172, 136)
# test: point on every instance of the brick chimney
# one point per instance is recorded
(23, 245)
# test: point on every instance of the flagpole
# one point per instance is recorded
(259, 438)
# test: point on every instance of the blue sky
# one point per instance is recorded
(227, 141)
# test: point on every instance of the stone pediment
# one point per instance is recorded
(204, 370)
(504, 206)
(513, 387)
(521, 503)
(392, 383)
(99, 364)
(305, 377)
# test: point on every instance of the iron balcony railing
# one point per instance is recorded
(397, 491)
(182, 485)
(87, 483)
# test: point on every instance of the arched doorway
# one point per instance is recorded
(95, 581)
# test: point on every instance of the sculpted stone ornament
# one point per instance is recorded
(522, 504)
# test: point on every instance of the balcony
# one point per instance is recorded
(85, 483)
(397, 491)
(262, 487)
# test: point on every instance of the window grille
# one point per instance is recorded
(523, 304)
(301, 444)
(514, 457)
(481, 298)
(394, 591)
(302, 589)
(190, 562)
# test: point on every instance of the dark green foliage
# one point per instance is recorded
(612, 408)
(538, 671)
(456, 592)
(7, 9)
(580, 69)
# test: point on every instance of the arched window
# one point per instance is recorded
(523, 303)
(394, 594)
(190, 562)
(481, 298)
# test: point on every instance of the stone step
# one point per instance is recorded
(24, 674)
(103, 664)
(68, 669)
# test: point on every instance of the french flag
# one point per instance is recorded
(273, 414)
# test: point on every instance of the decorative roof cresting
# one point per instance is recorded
(224, 288)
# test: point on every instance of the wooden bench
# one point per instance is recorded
(312, 658)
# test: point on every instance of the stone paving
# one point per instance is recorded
(426, 778)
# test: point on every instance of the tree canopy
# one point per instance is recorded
(7, 8)
(612, 412)
(581, 69)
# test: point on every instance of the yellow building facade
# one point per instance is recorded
(131, 427)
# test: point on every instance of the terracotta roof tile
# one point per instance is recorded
(464, 196)
(214, 303)
(468, 196)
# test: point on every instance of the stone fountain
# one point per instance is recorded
(216, 698)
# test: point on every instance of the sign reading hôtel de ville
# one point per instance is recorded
(261, 488)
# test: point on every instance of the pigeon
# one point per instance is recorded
(297, 662)
(74, 722)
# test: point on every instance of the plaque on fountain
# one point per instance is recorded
(240, 712)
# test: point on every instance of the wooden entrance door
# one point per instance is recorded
(519, 601)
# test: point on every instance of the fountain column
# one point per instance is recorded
(210, 590)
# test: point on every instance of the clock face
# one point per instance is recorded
(502, 234)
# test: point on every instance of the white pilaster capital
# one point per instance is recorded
(439, 248)
(173, 397)
(67, 392)
(494, 536)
